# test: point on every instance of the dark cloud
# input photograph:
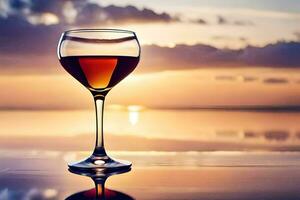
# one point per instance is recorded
(26, 8)
(276, 80)
(221, 20)
(200, 21)
(8, 7)
(224, 21)
(21, 37)
(84, 12)
(42, 6)
(34, 26)
(277, 135)
(18, 4)
(94, 13)
(229, 38)
(281, 54)
(243, 39)
(156, 58)
(251, 134)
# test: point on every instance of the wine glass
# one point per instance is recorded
(99, 59)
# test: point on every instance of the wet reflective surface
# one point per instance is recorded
(97, 193)
(209, 175)
(99, 178)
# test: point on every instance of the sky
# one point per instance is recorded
(194, 53)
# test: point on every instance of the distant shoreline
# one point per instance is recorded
(293, 108)
(237, 108)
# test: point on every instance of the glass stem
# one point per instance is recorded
(100, 189)
(99, 147)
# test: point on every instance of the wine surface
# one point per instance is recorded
(99, 73)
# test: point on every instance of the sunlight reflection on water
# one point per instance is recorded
(157, 129)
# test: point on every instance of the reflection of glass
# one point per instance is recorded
(99, 59)
(99, 192)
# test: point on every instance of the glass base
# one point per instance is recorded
(99, 164)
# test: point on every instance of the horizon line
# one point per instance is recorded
(288, 108)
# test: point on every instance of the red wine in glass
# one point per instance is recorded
(99, 72)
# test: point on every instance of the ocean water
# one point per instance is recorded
(176, 154)
(136, 128)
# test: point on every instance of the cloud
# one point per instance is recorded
(271, 135)
(27, 7)
(21, 37)
(8, 7)
(46, 6)
(251, 134)
(94, 13)
(82, 12)
(224, 21)
(276, 135)
(243, 39)
(34, 26)
(230, 38)
(276, 80)
(280, 54)
(200, 21)
(221, 20)
(154, 58)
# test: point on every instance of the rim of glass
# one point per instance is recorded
(98, 30)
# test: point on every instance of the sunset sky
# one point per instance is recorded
(194, 53)
(214, 100)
